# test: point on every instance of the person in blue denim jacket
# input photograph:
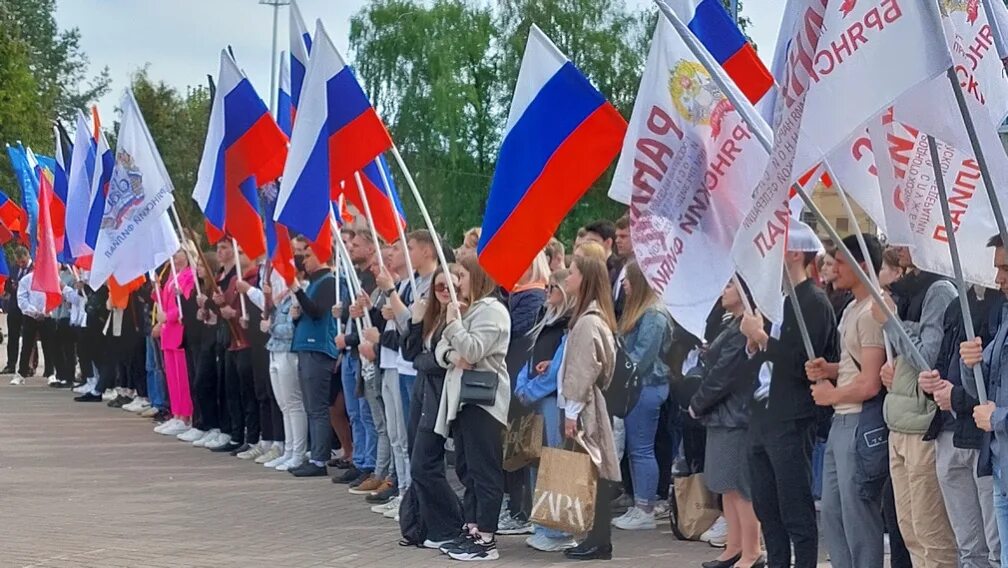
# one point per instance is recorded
(647, 333)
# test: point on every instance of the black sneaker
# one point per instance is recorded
(308, 469)
(382, 497)
(161, 417)
(242, 448)
(228, 447)
(475, 549)
(119, 401)
(457, 544)
(348, 476)
(7, 371)
(88, 397)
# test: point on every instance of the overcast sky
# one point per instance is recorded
(181, 39)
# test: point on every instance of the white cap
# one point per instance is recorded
(801, 238)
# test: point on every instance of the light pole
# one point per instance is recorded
(273, 55)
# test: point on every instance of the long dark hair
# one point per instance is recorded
(594, 287)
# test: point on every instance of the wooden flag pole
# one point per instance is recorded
(978, 375)
(399, 226)
(427, 221)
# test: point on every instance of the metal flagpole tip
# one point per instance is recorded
(275, 2)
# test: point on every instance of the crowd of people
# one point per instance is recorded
(361, 371)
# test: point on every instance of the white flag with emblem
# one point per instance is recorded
(136, 234)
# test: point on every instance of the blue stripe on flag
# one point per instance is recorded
(715, 29)
(306, 208)
(347, 100)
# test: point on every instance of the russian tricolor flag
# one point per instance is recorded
(78, 199)
(300, 48)
(104, 164)
(244, 149)
(386, 208)
(64, 151)
(717, 31)
(561, 136)
(336, 133)
(285, 104)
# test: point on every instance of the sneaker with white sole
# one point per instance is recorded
(18, 380)
(290, 464)
(208, 436)
(544, 543)
(175, 429)
(284, 458)
(251, 453)
(512, 526)
(635, 519)
(162, 428)
(191, 435)
(220, 441)
(662, 510)
(717, 535)
(271, 454)
(380, 509)
(109, 395)
(87, 387)
(51, 380)
(393, 508)
(150, 412)
(475, 549)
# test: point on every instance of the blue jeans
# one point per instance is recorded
(406, 386)
(156, 387)
(1001, 510)
(365, 437)
(641, 427)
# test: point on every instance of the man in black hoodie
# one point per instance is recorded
(783, 420)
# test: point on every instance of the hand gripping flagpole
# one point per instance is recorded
(355, 285)
(978, 375)
(370, 219)
(742, 107)
(399, 226)
(861, 244)
(427, 220)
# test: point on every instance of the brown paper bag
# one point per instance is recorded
(696, 508)
(523, 441)
(565, 491)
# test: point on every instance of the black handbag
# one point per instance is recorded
(479, 387)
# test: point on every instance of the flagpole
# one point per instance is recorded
(978, 374)
(178, 287)
(399, 226)
(238, 275)
(861, 243)
(370, 219)
(354, 282)
(996, 32)
(988, 182)
(799, 316)
(334, 229)
(743, 108)
(427, 220)
(157, 288)
(186, 238)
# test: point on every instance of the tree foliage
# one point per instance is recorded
(442, 74)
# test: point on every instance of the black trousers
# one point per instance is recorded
(238, 381)
(32, 332)
(666, 448)
(206, 405)
(601, 531)
(85, 352)
(479, 457)
(518, 484)
(136, 368)
(65, 350)
(14, 320)
(780, 466)
(439, 505)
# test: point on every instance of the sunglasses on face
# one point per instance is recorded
(552, 287)
(441, 287)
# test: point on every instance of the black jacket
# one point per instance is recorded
(426, 396)
(790, 397)
(726, 390)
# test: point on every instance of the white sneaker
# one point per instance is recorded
(393, 510)
(290, 464)
(160, 429)
(272, 454)
(51, 380)
(717, 534)
(662, 510)
(138, 405)
(109, 394)
(191, 435)
(272, 464)
(219, 442)
(381, 509)
(251, 453)
(18, 380)
(85, 388)
(544, 543)
(635, 520)
(178, 428)
(211, 435)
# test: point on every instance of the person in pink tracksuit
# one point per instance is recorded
(170, 317)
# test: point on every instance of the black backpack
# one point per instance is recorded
(625, 388)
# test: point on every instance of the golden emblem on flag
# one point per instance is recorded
(125, 191)
(696, 97)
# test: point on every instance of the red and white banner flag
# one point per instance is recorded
(688, 167)
(846, 62)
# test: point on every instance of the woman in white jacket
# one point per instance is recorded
(476, 341)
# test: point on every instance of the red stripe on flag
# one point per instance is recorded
(356, 144)
(322, 245)
(749, 73)
(575, 165)
(283, 257)
(46, 278)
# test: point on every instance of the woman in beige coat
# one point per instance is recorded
(587, 369)
(477, 340)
